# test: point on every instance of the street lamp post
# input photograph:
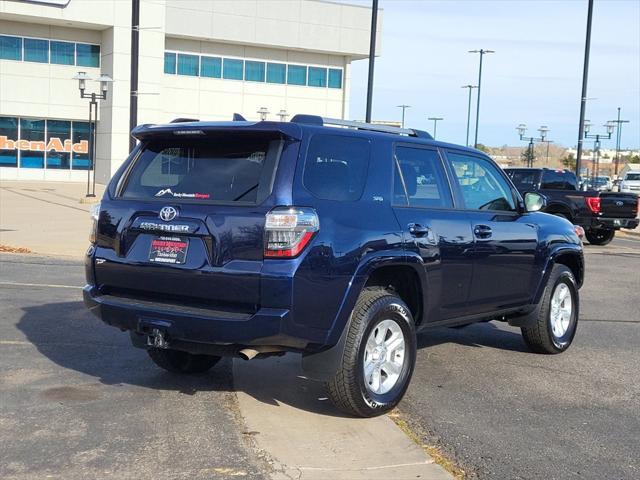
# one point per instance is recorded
(482, 52)
(93, 97)
(586, 127)
(522, 130)
(372, 58)
(618, 123)
(283, 115)
(543, 130)
(403, 107)
(470, 87)
(435, 124)
(263, 112)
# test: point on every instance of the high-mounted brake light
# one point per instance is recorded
(289, 230)
(593, 203)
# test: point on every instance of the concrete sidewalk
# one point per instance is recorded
(45, 217)
(305, 437)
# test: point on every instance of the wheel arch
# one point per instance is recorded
(572, 258)
(554, 208)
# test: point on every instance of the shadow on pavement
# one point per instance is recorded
(475, 335)
(68, 335)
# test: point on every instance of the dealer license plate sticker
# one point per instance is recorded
(169, 250)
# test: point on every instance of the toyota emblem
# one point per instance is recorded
(168, 213)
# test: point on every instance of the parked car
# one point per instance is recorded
(251, 239)
(599, 213)
(630, 182)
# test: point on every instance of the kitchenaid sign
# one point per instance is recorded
(54, 144)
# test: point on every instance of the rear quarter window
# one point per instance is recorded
(229, 168)
(336, 167)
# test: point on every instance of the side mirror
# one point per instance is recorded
(534, 202)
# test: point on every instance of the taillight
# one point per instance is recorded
(593, 203)
(289, 230)
(95, 214)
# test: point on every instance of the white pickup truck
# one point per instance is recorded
(630, 182)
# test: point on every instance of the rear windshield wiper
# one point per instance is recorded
(246, 192)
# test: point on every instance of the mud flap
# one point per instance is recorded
(322, 366)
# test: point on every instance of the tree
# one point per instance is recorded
(528, 156)
(569, 161)
(483, 148)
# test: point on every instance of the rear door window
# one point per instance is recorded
(215, 168)
(524, 180)
(558, 180)
(336, 167)
(419, 179)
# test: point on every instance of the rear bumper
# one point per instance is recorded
(184, 325)
(615, 223)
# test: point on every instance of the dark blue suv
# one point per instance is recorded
(338, 240)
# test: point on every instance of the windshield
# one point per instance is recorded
(216, 168)
(632, 176)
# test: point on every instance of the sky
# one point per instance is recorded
(535, 76)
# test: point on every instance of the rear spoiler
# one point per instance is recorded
(196, 129)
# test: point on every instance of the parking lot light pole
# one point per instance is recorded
(618, 123)
(435, 125)
(544, 130)
(403, 107)
(482, 52)
(522, 130)
(372, 58)
(93, 97)
(586, 127)
(470, 87)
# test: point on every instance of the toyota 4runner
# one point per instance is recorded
(338, 240)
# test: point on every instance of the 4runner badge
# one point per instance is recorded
(168, 213)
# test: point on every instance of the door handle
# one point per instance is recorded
(482, 231)
(418, 230)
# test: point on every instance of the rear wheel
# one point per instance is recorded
(177, 361)
(557, 315)
(599, 236)
(379, 356)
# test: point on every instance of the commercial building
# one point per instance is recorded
(202, 59)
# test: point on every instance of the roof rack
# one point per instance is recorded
(323, 121)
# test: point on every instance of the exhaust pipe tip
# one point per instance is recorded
(250, 353)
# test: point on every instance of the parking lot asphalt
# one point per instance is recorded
(502, 412)
(78, 402)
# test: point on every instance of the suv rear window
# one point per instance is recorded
(336, 167)
(215, 168)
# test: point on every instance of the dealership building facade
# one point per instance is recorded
(204, 59)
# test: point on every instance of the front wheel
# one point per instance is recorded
(379, 356)
(557, 315)
(177, 361)
(600, 236)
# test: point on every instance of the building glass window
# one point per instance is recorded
(8, 137)
(188, 65)
(57, 132)
(36, 50)
(317, 77)
(33, 131)
(232, 69)
(296, 75)
(276, 73)
(254, 71)
(169, 62)
(10, 48)
(62, 53)
(335, 78)
(80, 140)
(87, 55)
(211, 67)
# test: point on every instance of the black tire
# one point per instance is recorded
(176, 361)
(599, 236)
(348, 389)
(539, 337)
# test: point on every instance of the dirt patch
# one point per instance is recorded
(10, 249)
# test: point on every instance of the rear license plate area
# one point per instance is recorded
(169, 250)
